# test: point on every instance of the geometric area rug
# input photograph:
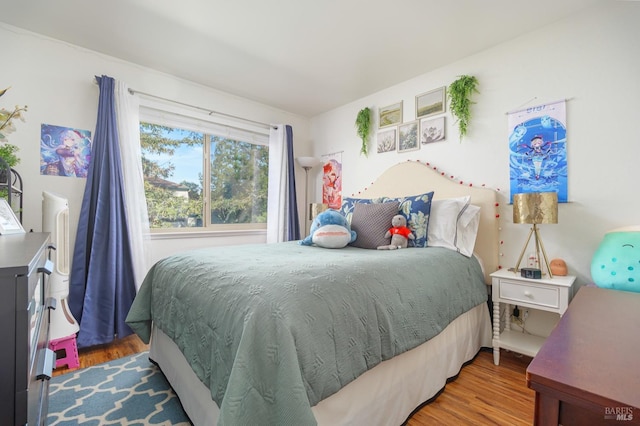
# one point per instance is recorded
(127, 391)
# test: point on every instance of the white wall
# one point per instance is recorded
(56, 81)
(591, 59)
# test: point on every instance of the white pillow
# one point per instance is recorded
(468, 230)
(453, 224)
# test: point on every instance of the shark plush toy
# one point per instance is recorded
(330, 229)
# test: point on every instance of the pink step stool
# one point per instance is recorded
(70, 348)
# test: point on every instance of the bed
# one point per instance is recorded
(289, 334)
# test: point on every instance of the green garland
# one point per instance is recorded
(459, 93)
(363, 126)
(8, 154)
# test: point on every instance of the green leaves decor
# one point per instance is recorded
(459, 93)
(7, 117)
(363, 127)
(8, 152)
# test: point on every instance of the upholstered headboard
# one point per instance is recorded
(412, 178)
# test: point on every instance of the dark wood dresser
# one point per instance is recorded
(588, 370)
(26, 361)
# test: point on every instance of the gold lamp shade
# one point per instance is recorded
(316, 209)
(535, 208)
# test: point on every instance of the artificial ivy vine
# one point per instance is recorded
(459, 93)
(363, 127)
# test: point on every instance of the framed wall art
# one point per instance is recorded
(64, 151)
(9, 223)
(390, 115)
(432, 130)
(332, 180)
(387, 140)
(431, 103)
(408, 137)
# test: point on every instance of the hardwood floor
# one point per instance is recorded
(482, 394)
(102, 353)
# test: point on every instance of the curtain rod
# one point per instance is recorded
(209, 111)
(228, 126)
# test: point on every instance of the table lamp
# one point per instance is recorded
(535, 208)
(316, 209)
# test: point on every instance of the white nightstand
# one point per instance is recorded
(509, 288)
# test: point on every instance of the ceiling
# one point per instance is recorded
(301, 56)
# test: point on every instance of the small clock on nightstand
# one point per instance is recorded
(546, 294)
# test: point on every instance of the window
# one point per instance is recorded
(181, 156)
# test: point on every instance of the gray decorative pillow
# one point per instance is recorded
(371, 222)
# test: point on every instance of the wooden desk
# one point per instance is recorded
(588, 370)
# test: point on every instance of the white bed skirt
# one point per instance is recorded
(384, 395)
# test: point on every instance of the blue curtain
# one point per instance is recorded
(294, 222)
(102, 285)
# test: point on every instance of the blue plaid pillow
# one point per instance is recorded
(416, 209)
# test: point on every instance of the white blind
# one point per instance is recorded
(170, 115)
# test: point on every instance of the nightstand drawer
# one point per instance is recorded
(530, 294)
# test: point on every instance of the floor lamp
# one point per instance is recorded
(535, 208)
(307, 163)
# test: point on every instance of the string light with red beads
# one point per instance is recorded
(461, 182)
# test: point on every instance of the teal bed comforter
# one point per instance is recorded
(273, 329)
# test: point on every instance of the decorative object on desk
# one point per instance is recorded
(459, 94)
(559, 267)
(615, 262)
(11, 188)
(8, 152)
(7, 117)
(10, 180)
(535, 208)
(307, 163)
(8, 155)
(363, 126)
(9, 223)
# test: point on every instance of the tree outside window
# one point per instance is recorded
(175, 174)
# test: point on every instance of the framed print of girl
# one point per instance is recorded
(64, 151)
